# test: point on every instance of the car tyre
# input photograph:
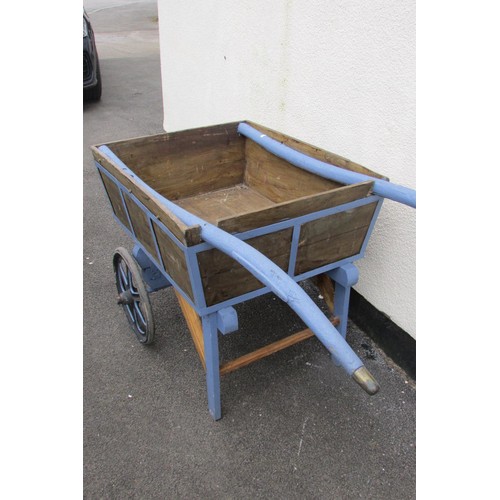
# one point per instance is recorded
(94, 93)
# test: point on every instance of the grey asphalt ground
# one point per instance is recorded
(293, 426)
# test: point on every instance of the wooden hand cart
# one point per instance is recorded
(229, 212)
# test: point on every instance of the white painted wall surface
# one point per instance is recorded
(339, 74)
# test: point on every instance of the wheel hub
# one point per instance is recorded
(125, 298)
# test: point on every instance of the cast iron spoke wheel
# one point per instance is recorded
(132, 295)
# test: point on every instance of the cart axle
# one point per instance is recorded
(125, 298)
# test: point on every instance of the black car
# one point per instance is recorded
(92, 84)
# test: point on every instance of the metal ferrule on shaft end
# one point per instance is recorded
(365, 379)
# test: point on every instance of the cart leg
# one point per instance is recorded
(345, 277)
(211, 345)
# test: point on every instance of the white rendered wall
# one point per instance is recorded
(339, 74)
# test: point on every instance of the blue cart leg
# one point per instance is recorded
(344, 277)
(211, 345)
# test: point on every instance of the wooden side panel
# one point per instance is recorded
(277, 179)
(174, 260)
(115, 199)
(142, 151)
(184, 175)
(333, 238)
(189, 235)
(314, 152)
(186, 163)
(140, 224)
(223, 278)
(295, 208)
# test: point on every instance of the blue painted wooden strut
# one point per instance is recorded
(345, 277)
(381, 187)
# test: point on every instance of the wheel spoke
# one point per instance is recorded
(139, 319)
(129, 312)
(137, 306)
(122, 276)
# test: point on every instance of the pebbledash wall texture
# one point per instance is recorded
(339, 74)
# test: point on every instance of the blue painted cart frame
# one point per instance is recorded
(222, 316)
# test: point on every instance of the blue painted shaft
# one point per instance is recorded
(381, 187)
(265, 271)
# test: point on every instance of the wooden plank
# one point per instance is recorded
(265, 351)
(194, 325)
(315, 152)
(330, 250)
(140, 224)
(336, 224)
(186, 163)
(277, 179)
(326, 288)
(223, 278)
(113, 193)
(183, 175)
(333, 238)
(148, 150)
(174, 260)
(227, 202)
(189, 235)
(295, 208)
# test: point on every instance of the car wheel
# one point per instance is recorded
(94, 94)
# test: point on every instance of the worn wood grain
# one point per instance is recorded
(329, 250)
(147, 150)
(333, 238)
(174, 260)
(113, 193)
(194, 325)
(327, 289)
(223, 278)
(140, 224)
(188, 162)
(267, 350)
(177, 178)
(193, 162)
(339, 223)
(277, 179)
(227, 202)
(315, 152)
(189, 235)
(263, 352)
(294, 208)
